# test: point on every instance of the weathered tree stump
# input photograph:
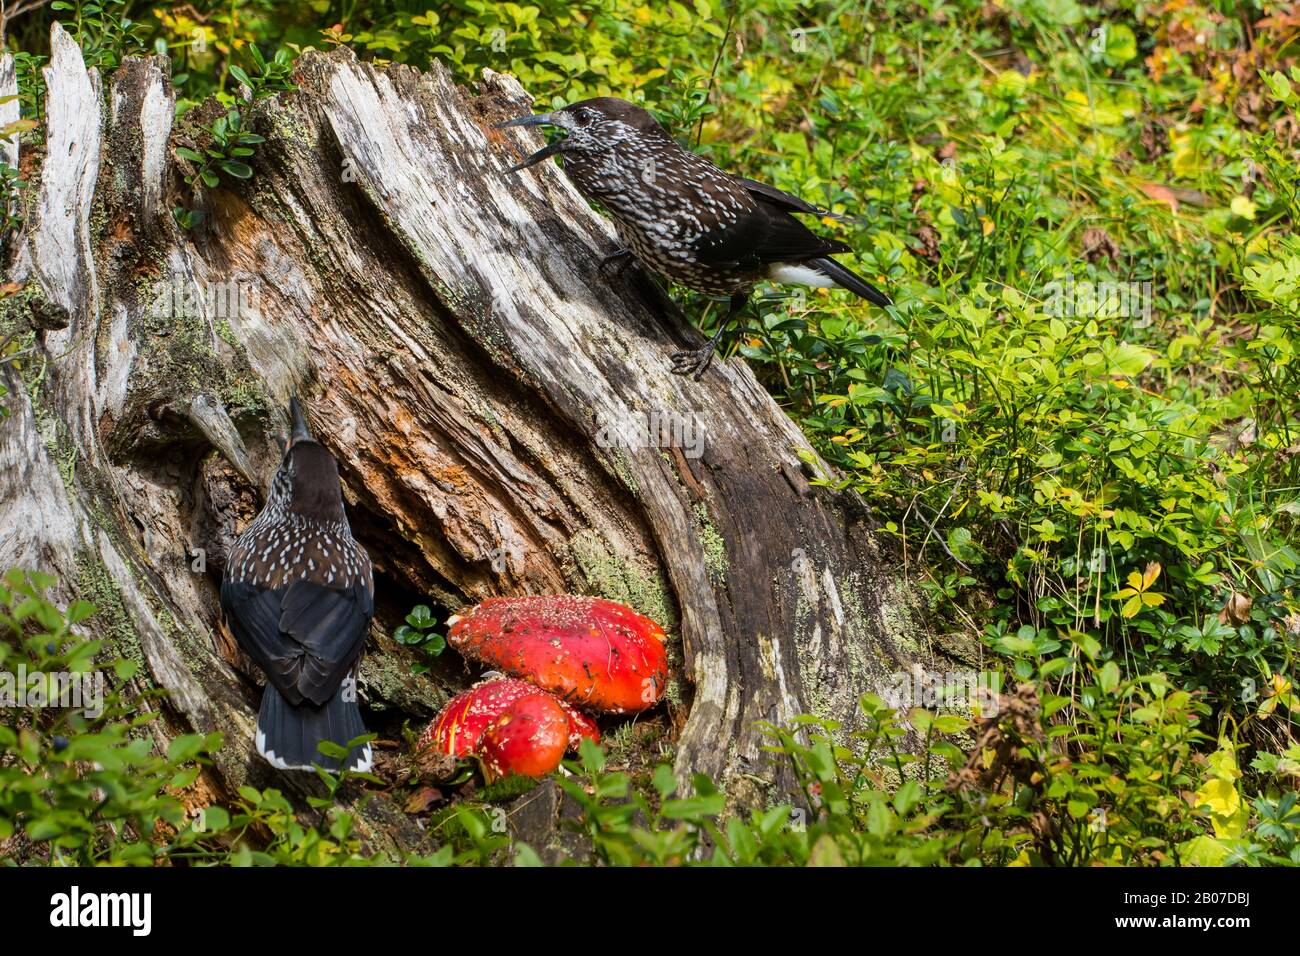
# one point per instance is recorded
(481, 383)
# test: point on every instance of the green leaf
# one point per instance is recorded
(44, 828)
(826, 852)
(1128, 359)
(665, 781)
(907, 797)
(695, 808)
(78, 611)
(951, 724)
(215, 819)
(185, 748)
(744, 848)
(593, 757)
(1108, 677)
(527, 856)
(421, 617)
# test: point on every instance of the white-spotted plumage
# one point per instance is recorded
(261, 555)
(683, 217)
(298, 594)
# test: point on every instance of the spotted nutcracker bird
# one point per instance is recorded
(299, 594)
(683, 217)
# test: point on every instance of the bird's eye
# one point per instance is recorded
(586, 117)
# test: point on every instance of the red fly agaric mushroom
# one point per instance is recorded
(594, 653)
(528, 739)
(459, 726)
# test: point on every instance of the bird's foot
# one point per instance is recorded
(622, 256)
(693, 363)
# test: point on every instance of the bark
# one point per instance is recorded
(471, 369)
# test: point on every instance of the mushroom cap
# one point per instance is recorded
(460, 724)
(595, 654)
(528, 739)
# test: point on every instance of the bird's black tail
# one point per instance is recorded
(850, 280)
(287, 735)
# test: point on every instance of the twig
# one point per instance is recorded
(5, 15)
(921, 514)
(713, 73)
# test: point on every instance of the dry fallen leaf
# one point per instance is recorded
(927, 238)
(1236, 610)
(422, 799)
(1098, 244)
(1160, 194)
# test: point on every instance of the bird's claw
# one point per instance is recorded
(694, 363)
(623, 257)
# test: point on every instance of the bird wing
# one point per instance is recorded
(306, 637)
(776, 197)
(764, 233)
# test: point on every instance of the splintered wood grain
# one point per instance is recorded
(437, 181)
(60, 250)
(10, 111)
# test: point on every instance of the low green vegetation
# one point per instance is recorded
(1102, 776)
(229, 147)
(420, 633)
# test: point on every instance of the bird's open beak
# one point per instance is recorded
(546, 152)
(532, 119)
(299, 422)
